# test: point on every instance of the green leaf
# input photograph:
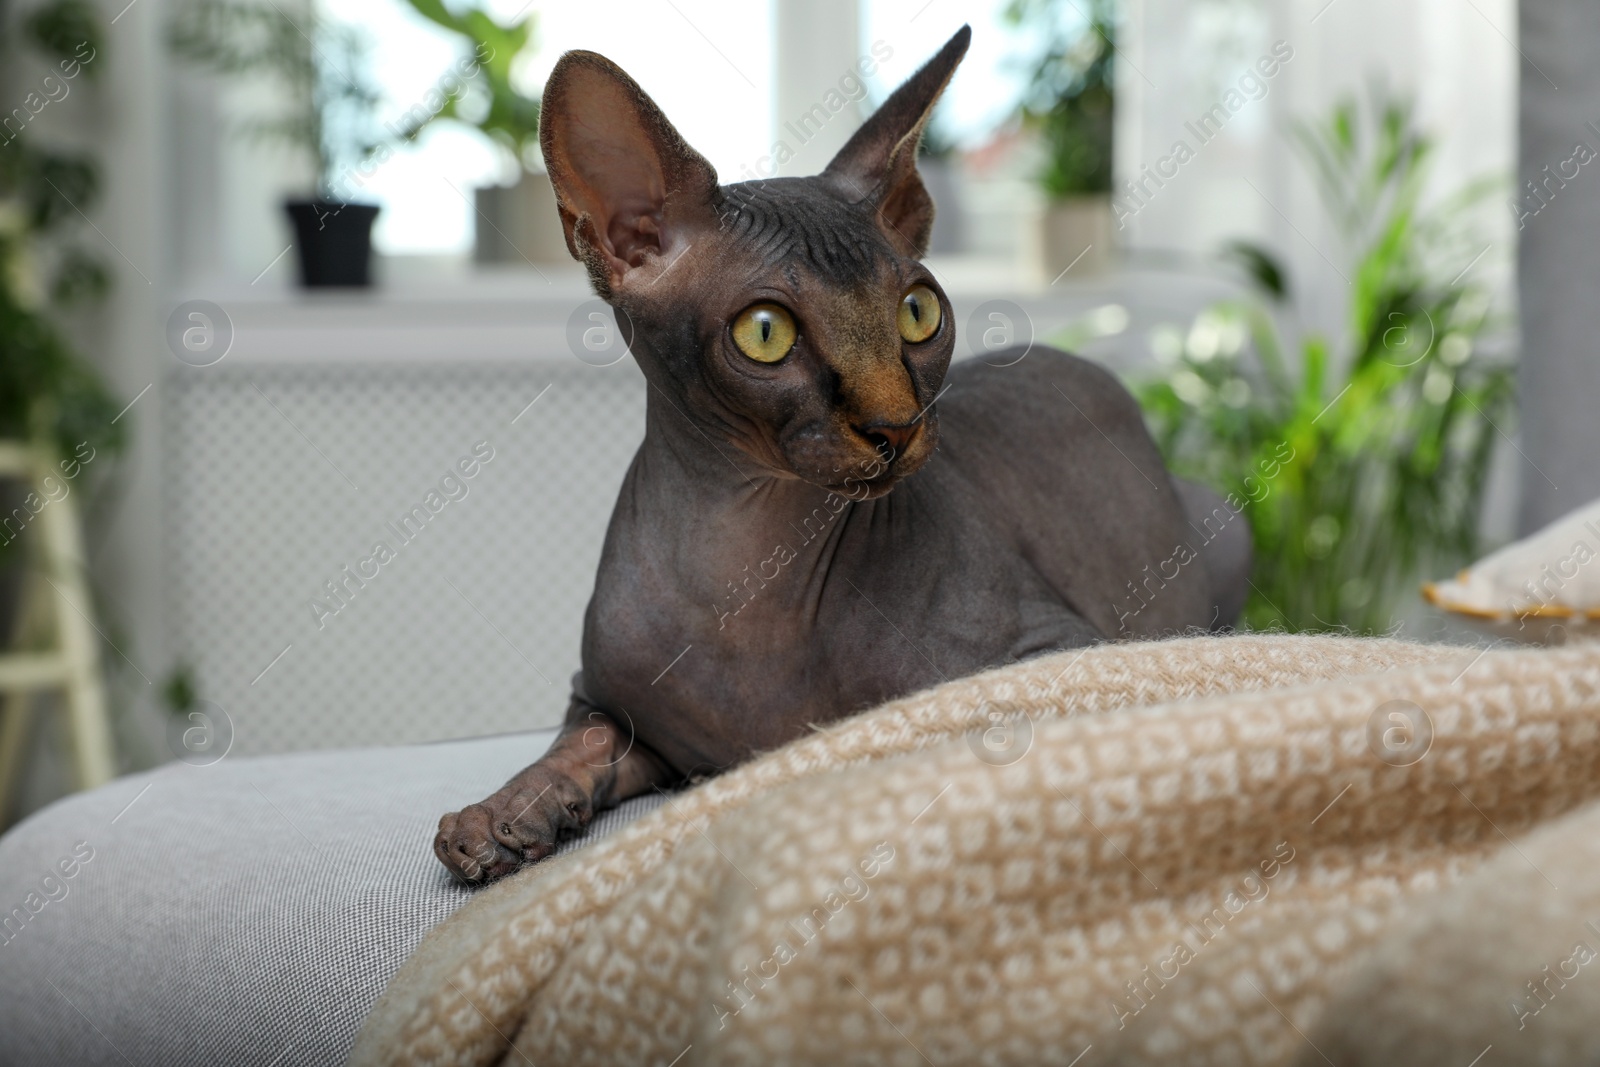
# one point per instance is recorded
(510, 115)
(1261, 266)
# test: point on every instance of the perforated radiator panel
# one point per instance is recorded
(281, 477)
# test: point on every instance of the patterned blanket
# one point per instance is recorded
(1277, 850)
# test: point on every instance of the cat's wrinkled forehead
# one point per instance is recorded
(804, 223)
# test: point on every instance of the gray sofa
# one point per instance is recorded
(247, 913)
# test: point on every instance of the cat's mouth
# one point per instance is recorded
(856, 460)
(874, 475)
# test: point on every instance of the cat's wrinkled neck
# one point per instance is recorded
(700, 483)
(689, 452)
(697, 457)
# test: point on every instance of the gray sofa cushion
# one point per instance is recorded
(248, 912)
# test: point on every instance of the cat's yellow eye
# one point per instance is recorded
(919, 314)
(764, 332)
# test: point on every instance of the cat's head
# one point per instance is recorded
(789, 317)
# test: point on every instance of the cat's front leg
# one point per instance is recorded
(593, 765)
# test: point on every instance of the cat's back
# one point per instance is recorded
(1059, 449)
(1046, 382)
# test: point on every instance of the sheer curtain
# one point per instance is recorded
(1186, 58)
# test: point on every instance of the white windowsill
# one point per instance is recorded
(462, 314)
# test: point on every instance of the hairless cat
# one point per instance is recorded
(771, 562)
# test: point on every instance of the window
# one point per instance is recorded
(708, 63)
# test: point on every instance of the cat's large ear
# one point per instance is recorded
(879, 162)
(628, 186)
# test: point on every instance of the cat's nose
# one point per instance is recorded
(883, 435)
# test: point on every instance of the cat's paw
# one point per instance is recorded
(522, 823)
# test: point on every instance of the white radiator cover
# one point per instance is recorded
(279, 476)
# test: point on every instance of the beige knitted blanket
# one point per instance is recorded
(1266, 856)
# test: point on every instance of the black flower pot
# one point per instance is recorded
(334, 241)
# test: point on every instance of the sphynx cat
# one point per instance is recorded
(824, 514)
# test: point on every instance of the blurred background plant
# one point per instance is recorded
(52, 395)
(1070, 92)
(1366, 467)
(489, 101)
(317, 67)
(49, 393)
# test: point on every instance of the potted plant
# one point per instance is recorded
(318, 69)
(517, 221)
(1358, 470)
(1069, 104)
(50, 396)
